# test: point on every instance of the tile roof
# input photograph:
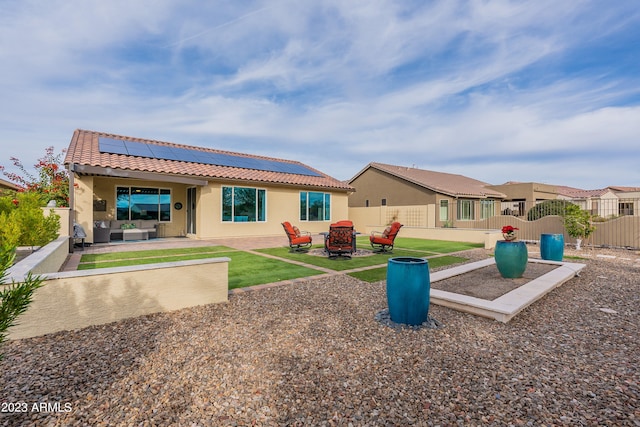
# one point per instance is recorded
(578, 193)
(441, 182)
(624, 189)
(8, 185)
(84, 150)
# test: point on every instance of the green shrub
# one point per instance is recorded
(23, 222)
(548, 207)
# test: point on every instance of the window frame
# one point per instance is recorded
(259, 201)
(305, 206)
(487, 208)
(161, 191)
(444, 204)
(468, 205)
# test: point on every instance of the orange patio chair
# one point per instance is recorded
(298, 240)
(383, 242)
(340, 240)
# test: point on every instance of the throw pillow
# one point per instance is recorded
(296, 230)
(386, 232)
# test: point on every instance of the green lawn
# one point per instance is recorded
(377, 274)
(436, 246)
(341, 263)
(404, 247)
(245, 269)
(153, 254)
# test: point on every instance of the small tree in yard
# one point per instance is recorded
(51, 183)
(14, 298)
(578, 223)
(22, 222)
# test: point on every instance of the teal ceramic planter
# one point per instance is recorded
(511, 258)
(552, 247)
(408, 287)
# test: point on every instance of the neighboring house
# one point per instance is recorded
(420, 198)
(521, 196)
(602, 202)
(6, 185)
(628, 200)
(194, 191)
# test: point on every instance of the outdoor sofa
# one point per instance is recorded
(116, 227)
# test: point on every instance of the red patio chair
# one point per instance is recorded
(298, 240)
(383, 242)
(340, 240)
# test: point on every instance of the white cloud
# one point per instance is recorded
(447, 85)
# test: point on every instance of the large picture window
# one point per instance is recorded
(315, 206)
(143, 203)
(244, 204)
(465, 210)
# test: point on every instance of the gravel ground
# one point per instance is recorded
(311, 353)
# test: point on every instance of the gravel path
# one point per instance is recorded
(311, 353)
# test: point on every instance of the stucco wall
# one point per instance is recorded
(63, 213)
(47, 259)
(414, 216)
(78, 299)
(283, 204)
(375, 185)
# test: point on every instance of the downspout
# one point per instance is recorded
(72, 212)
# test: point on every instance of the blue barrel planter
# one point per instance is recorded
(408, 287)
(552, 247)
(511, 258)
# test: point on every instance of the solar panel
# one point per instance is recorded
(141, 149)
(114, 146)
(138, 149)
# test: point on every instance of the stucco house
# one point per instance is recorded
(419, 197)
(6, 185)
(180, 190)
(522, 196)
(600, 202)
(628, 199)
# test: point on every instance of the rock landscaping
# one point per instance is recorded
(312, 353)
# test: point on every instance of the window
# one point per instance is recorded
(315, 206)
(366, 203)
(383, 202)
(244, 204)
(625, 208)
(465, 210)
(143, 203)
(444, 210)
(487, 208)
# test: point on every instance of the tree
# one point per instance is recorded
(578, 222)
(51, 182)
(15, 298)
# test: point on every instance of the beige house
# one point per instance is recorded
(6, 185)
(419, 198)
(601, 202)
(521, 196)
(178, 190)
(628, 200)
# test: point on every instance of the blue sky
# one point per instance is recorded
(542, 91)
